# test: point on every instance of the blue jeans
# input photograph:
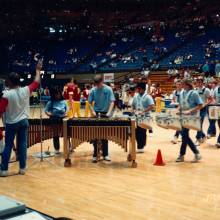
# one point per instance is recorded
(186, 140)
(19, 129)
(212, 128)
(201, 134)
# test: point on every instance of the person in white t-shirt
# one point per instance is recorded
(15, 105)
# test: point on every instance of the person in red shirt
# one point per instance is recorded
(71, 86)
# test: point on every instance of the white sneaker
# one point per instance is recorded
(180, 159)
(196, 158)
(217, 145)
(3, 173)
(57, 152)
(201, 140)
(94, 159)
(197, 143)
(22, 171)
(175, 140)
(140, 151)
(209, 136)
(107, 158)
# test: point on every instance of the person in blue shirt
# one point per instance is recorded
(216, 96)
(190, 104)
(142, 104)
(205, 95)
(101, 100)
(56, 109)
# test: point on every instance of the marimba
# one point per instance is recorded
(50, 128)
(118, 130)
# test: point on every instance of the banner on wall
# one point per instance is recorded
(108, 77)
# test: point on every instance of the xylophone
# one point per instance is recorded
(118, 130)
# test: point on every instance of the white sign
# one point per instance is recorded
(108, 77)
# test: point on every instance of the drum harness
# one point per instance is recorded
(184, 102)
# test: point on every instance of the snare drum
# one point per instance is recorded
(161, 121)
(145, 122)
(174, 123)
(191, 122)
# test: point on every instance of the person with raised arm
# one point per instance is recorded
(15, 108)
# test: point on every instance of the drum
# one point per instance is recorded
(174, 123)
(145, 122)
(172, 112)
(161, 121)
(214, 112)
(191, 122)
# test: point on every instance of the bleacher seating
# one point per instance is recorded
(121, 53)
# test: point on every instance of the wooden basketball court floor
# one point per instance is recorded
(182, 191)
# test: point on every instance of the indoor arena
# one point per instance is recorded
(110, 110)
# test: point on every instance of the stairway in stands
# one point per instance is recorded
(166, 84)
(161, 77)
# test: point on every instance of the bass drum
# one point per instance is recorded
(145, 122)
(191, 122)
(174, 123)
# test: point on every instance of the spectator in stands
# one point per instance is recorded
(46, 91)
(205, 68)
(187, 74)
(212, 68)
(157, 92)
(217, 68)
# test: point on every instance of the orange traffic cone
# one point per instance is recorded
(159, 160)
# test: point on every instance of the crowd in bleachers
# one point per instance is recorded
(119, 41)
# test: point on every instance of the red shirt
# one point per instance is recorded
(86, 94)
(76, 94)
(70, 87)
